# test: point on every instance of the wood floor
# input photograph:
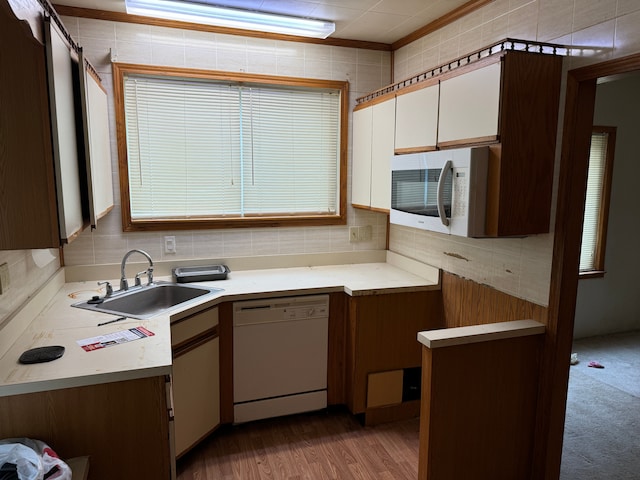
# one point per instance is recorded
(320, 445)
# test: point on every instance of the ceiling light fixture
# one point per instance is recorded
(194, 12)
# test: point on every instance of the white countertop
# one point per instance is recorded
(57, 323)
(449, 337)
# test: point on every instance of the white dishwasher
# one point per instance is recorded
(279, 356)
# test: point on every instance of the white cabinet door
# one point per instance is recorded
(196, 394)
(382, 149)
(60, 70)
(97, 144)
(469, 105)
(361, 158)
(417, 119)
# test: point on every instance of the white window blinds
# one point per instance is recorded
(593, 203)
(207, 149)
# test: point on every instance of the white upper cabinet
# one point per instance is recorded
(382, 148)
(373, 142)
(361, 173)
(95, 116)
(470, 106)
(80, 136)
(416, 126)
(60, 70)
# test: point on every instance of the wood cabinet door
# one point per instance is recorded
(470, 107)
(382, 147)
(361, 158)
(416, 126)
(196, 394)
(28, 215)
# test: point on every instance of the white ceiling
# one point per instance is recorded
(384, 21)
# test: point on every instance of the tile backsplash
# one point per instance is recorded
(28, 270)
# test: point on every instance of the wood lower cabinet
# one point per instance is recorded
(382, 337)
(122, 426)
(196, 378)
(479, 400)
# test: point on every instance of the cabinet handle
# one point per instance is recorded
(441, 211)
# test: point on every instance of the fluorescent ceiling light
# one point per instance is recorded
(230, 17)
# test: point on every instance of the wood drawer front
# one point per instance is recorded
(192, 326)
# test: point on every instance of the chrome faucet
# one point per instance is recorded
(124, 284)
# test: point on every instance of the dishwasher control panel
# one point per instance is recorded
(280, 309)
(293, 313)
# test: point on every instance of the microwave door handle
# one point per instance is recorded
(441, 211)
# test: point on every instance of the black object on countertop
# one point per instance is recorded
(41, 354)
(201, 273)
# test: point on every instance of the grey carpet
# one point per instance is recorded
(602, 427)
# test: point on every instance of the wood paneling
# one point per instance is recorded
(478, 410)
(578, 121)
(382, 335)
(225, 329)
(336, 362)
(28, 214)
(468, 303)
(392, 413)
(528, 129)
(123, 427)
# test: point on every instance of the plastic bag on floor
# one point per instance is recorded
(34, 460)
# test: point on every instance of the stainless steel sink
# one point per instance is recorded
(145, 302)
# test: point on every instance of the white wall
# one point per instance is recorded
(611, 304)
(365, 70)
(598, 30)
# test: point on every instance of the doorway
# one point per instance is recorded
(578, 120)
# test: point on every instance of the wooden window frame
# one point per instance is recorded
(130, 225)
(598, 270)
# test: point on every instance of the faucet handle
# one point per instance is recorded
(149, 275)
(109, 288)
(137, 278)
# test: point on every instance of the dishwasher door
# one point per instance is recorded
(279, 356)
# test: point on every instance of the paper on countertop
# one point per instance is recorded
(116, 338)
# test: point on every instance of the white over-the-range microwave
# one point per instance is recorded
(443, 191)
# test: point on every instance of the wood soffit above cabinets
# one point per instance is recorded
(450, 17)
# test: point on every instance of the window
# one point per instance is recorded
(596, 210)
(201, 149)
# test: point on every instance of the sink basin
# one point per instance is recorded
(145, 302)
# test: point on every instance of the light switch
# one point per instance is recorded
(170, 244)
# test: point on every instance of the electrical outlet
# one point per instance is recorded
(170, 244)
(5, 280)
(353, 234)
